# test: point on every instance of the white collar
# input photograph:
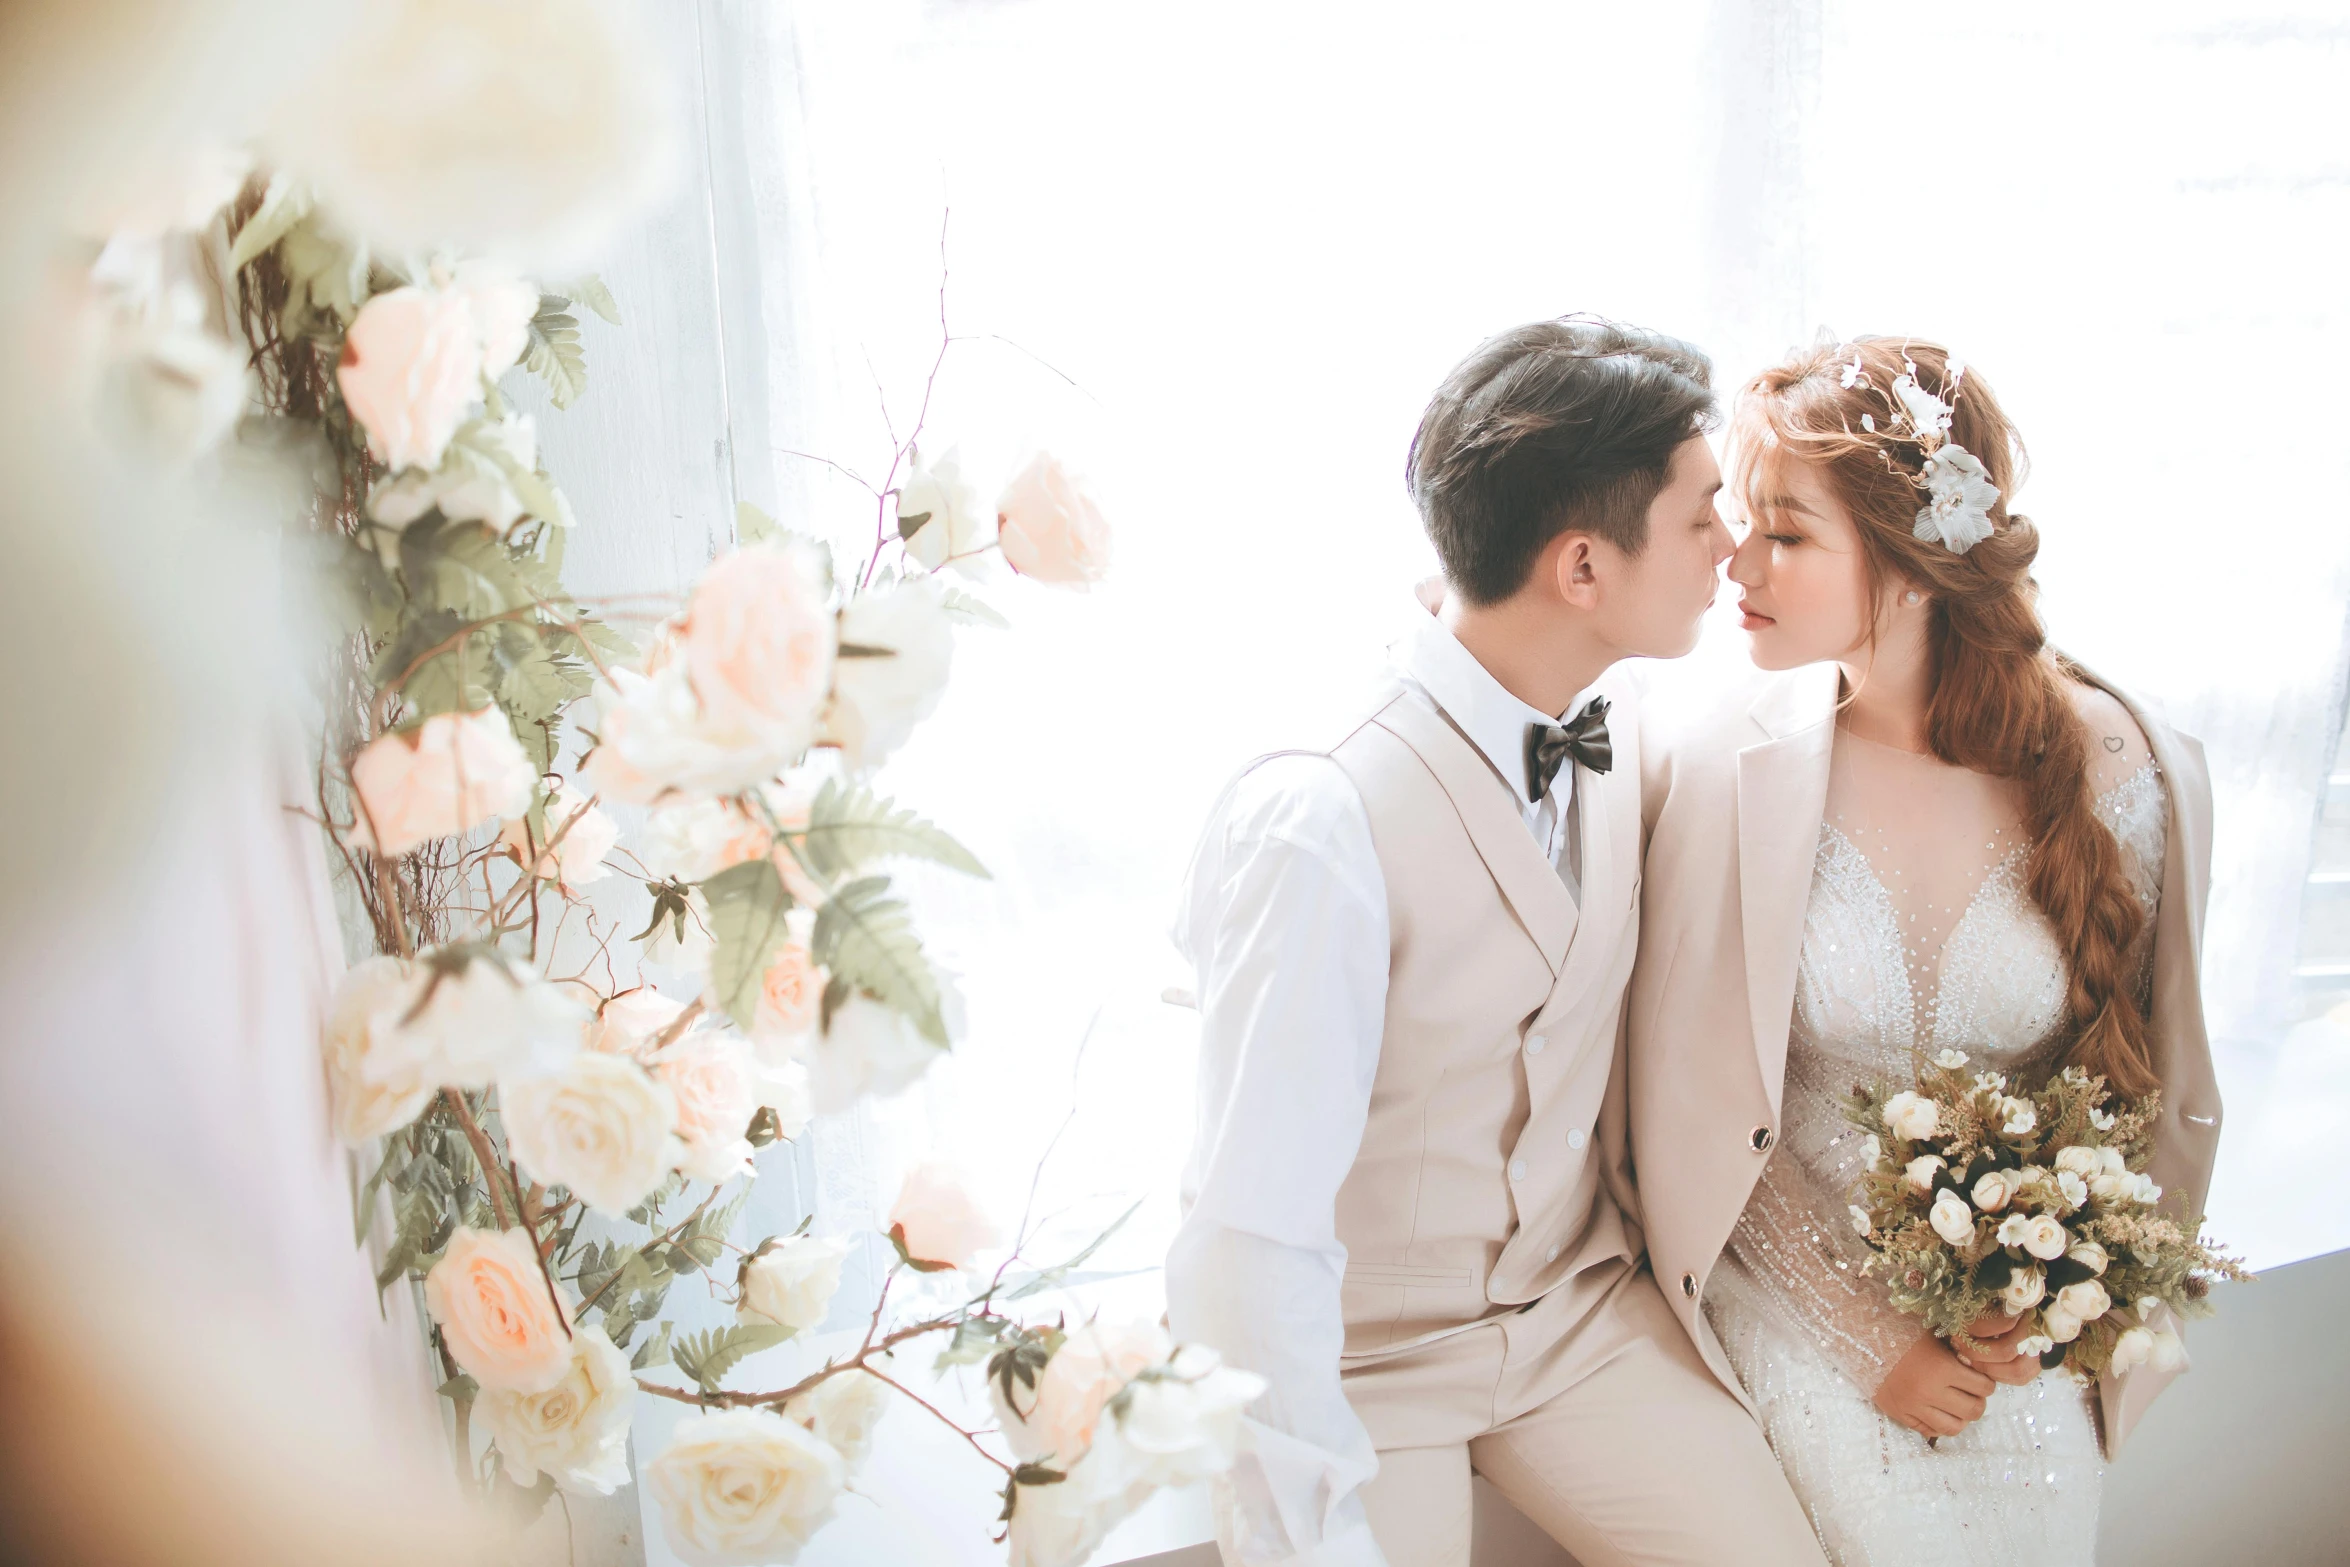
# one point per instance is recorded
(1482, 707)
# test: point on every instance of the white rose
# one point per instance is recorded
(1050, 528)
(2107, 1187)
(2045, 1237)
(1184, 1422)
(717, 1083)
(587, 835)
(628, 1024)
(868, 1049)
(2111, 1162)
(2086, 1300)
(879, 695)
(1912, 1116)
(1861, 1223)
(783, 1088)
(367, 1008)
(954, 526)
(531, 128)
(446, 776)
(472, 483)
(2020, 1117)
(2078, 1160)
(791, 1282)
(597, 1125)
(477, 1025)
(2133, 1349)
(1996, 1189)
(2072, 1189)
(1952, 1219)
(2170, 1351)
(692, 840)
(2024, 1290)
(842, 1412)
(2089, 1255)
(577, 1430)
(1056, 1426)
(2061, 1325)
(1950, 1060)
(937, 1219)
(656, 740)
(1919, 1173)
(743, 1486)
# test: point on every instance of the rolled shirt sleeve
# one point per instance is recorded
(1284, 920)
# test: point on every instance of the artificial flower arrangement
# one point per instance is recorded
(553, 1142)
(1975, 1199)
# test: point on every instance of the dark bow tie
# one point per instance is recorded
(1584, 737)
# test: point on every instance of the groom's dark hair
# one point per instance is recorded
(1552, 426)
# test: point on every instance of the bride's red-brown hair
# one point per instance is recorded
(1999, 702)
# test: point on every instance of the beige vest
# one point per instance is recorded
(1479, 1183)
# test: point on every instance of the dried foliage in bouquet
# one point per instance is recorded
(1976, 1199)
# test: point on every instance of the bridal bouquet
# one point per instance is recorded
(1977, 1198)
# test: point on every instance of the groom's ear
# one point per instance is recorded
(1571, 570)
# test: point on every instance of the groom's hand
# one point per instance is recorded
(1998, 1334)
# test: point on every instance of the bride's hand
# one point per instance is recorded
(1930, 1392)
(1998, 1334)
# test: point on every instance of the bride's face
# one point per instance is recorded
(1804, 586)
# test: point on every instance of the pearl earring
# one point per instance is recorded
(1911, 597)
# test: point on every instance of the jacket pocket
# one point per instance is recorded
(1404, 1276)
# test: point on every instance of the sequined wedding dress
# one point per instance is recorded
(1919, 933)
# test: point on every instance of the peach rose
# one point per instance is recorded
(367, 1009)
(411, 368)
(1091, 1366)
(716, 1083)
(1051, 529)
(790, 993)
(628, 1024)
(491, 1302)
(587, 835)
(937, 1219)
(759, 641)
(448, 775)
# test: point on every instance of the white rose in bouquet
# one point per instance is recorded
(2079, 1160)
(790, 1282)
(2045, 1237)
(2089, 1255)
(1065, 1522)
(1184, 1422)
(1995, 1189)
(1952, 1219)
(743, 1487)
(784, 1090)
(2062, 1325)
(577, 1430)
(2133, 1349)
(2169, 1353)
(1050, 528)
(599, 1125)
(2026, 1288)
(842, 1413)
(938, 1220)
(576, 857)
(1919, 1173)
(367, 1008)
(496, 1315)
(1090, 1368)
(446, 776)
(759, 643)
(473, 1027)
(868, 1048)
(1912, 1116)
(897, 645)
(2086, 1300)
(717, 1086)
(954, 526)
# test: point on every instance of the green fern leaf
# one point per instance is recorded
(866, 937)
(747, 908)
(850, 825)
(554, 354)
(708, 1357)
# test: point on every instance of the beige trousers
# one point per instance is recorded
(1592, 1413)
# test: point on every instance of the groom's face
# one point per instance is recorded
(1651, 604)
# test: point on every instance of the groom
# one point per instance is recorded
(1408, 1204)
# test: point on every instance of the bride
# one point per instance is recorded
(1922, 830)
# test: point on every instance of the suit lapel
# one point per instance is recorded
(1609, 812)
(1782, 798)
(1528, 882)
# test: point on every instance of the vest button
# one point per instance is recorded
(1763, 1138)
(1577, 1138)
(1517, 1169)
(1552, 1255)
(1689, 1285)
(1534, 1044)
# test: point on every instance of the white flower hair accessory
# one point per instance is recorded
(1959, 491)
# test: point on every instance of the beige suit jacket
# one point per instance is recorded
(1732, 806)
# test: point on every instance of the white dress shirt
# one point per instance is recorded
(1284, 921)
